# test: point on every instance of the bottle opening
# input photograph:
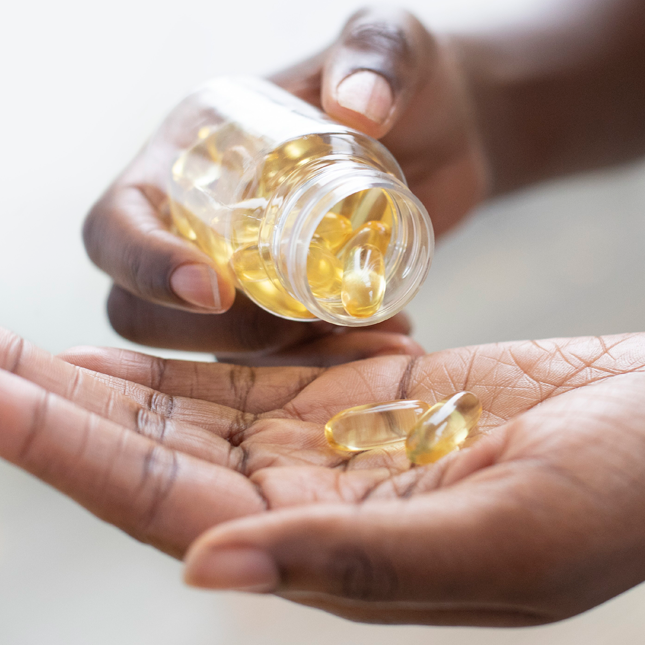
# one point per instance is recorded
(365, 248)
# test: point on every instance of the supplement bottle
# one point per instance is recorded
(312, 219)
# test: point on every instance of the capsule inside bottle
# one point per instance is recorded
(443, 428)
(374, 233)
(375, 425)
(324, 270)
(363, 286)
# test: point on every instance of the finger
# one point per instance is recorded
(303, 79)
(127, 231)
(443, 550)
(244, 328)
(159, 496)
(246, 389)
(510, 537)
(194, 427)
(249, 332)
(334, 349)
(127, 238)
(375, 68)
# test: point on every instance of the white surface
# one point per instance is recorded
(83, 84)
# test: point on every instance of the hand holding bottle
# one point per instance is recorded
(385, 76)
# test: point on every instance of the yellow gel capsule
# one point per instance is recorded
(247, 264)
(363, 287)
(271, 297)
(324, 270)
(182, 220)
(443, 428)
(304, 148)
(372, 426)
(374, 233)
(335, 229)
(195, 167)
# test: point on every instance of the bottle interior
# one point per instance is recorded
(220, 193)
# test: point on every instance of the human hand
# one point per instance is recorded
(540, 519)
(414, 100)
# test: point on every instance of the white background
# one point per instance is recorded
(82, 85)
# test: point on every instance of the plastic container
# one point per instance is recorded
(280, 196)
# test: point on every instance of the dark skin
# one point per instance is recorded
(540, 519)
(468, 118)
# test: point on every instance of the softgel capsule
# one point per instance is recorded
(429, 432)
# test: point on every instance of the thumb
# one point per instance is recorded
(374, 69)
(449, 550)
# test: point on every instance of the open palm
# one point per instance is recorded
(539, 519)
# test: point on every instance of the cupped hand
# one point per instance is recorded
(539, 519)
(385, 75)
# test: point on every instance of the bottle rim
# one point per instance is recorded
(409, 256)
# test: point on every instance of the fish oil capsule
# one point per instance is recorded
(335, 229)
(271, 297)
(181, 219)
(375, 233)
(247, 264)
(324, 270)
(363, 286)
(372, 426)
(443, 428)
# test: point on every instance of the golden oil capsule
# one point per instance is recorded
(247, 264)
(304, 148)
(365, 206)
(371, 426)
(271, 297)
(324, 270)
(375, 233)
(252, 275)
(363, 286)
(195, 167)
(443, 428)
(181, 219)
(335, 229)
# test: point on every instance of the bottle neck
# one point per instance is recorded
(298, 207)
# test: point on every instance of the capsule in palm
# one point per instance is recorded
(375, 425)
(443, 428)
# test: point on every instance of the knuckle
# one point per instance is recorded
(94, 228)
(112, 234)
(383, 37)
(159, 473)
(150, 424)
(37, 428)
(162, 404)
(12, 351)
(360, 577)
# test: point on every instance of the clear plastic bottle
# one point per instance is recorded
(313, 219)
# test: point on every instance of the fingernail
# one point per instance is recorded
(197, 284)
(367, 93)
(235, 568)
